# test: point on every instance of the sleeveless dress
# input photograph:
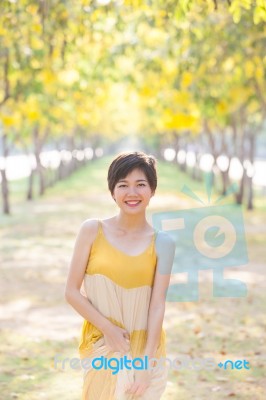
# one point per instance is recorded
(119, 286)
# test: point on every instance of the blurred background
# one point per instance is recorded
(81, 81)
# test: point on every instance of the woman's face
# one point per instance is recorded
(133, 193)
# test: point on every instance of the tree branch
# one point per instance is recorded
(6, 80)
(260, 96)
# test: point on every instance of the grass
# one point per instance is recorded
(36, 243)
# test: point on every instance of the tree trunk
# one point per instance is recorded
(29, 195)
(226, 151)
(240, 194)
(60, 173)
(196, 168)
(250, 204)
(5, 192)
(213, 149)
(224, 175)
(183, 166)
(30, 185)
(4, 185)
(72, 166)
(241, 150)
(39, 167)
(6, 90)
(176, 146)
(251, 139)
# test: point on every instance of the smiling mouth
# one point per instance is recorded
(133, 203)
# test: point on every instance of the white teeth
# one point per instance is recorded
(132, 202)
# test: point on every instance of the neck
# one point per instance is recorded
(131, 222)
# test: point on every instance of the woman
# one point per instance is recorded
(125, 266)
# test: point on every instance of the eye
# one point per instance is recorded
(141, 184)
(122, 186)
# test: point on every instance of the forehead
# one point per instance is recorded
(136, 174)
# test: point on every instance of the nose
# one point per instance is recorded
(132, 190)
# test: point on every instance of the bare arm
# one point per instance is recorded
(165, 248)
(115, 337)
(76, 273)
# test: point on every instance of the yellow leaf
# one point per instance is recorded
(181, 121)
(48, 77)
(237, 15)
(259, 73)
(181, 98)
(31, 108)
(146, 91)
(32, 9)
(33, 115)
(222, 107)
(83, 119)
(259, 14)
(7, 120)
(3, 31)
(170, 67)
(56, 53)
(186, 79)
(249, 68)
(253, 106)
(35, 64)
(37, 28)
(36, 43)
(238, 95)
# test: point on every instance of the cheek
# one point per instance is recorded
(147, 192)
(118, 192)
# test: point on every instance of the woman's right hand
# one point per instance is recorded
(117, 339)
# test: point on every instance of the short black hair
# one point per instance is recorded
(126, 162)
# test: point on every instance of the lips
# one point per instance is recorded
(132, 203)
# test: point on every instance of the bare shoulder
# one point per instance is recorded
(165, 252)
(90, 224)
(81, 251)
(88, 229)
(165, 239)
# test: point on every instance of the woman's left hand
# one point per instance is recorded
(141, 383)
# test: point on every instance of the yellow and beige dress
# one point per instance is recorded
(119, 286)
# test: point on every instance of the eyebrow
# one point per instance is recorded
(138, 180)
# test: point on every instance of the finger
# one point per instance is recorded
(125, 347)
(126, 342)
(141, 390)
(133, 388)
(123, 350)
(138, 394)
(137, 389)
(126, 334)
